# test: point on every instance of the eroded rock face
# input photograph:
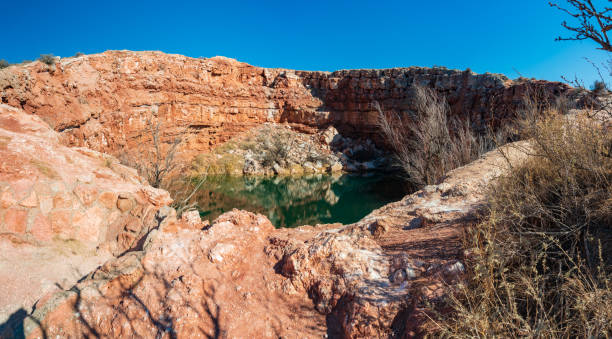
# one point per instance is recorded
(50, 191)
(187, 283)
(63, 211)
(104, 101)
(240, 277)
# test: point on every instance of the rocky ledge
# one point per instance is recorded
(278, 149)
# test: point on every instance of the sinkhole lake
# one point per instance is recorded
(296, 201)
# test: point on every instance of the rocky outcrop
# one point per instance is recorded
(50, 191)
(187, 283)
(240, 277)
(104, 101)
(62, 209)
(486, 99)
(276, 149)
(371, 277)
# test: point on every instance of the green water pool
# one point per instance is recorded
(295, 201)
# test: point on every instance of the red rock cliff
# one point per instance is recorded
(103, 101)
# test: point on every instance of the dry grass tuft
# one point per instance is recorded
(542, 259)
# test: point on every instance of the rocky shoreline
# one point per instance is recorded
(189, 277)
(278, 150)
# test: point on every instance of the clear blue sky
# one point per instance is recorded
(485, 35)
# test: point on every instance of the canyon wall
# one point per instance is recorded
(66, 210)
(104, 101)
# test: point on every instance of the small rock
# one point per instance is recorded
(165, 212)
(402, 275)
(444, 187)
(309, 167)
(414, 223)
(30, 201)
(336, 167)
(277, 169)
(455, 268)
(379, 227)
(192, 218)
(124, 204)
(156, 196)
(217, 253)
(398, 277)
(108, 199)
(329, 135)
(430, 188)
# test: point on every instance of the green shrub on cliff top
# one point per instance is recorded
(48, 59)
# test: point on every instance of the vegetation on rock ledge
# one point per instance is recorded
(540, 264)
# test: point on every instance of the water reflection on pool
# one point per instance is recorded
(295, 201)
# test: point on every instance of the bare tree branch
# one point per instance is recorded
(593, 23)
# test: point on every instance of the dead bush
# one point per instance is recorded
(427, 144)
(155, 159)
(542, 257)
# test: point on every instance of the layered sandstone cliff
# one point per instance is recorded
(104, 101)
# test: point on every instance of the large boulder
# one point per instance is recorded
(63, 211)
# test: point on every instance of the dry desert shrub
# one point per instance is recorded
(540, 263)
(48, 59)
(273, 146)
(155, 157)
(427, 143)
